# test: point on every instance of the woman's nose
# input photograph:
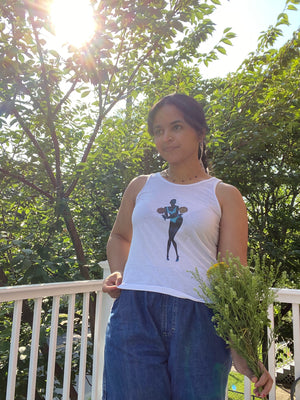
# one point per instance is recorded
(167, 135)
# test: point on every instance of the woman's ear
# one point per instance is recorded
(200, 149)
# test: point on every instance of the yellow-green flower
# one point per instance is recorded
(218, 267)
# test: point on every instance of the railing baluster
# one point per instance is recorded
(52, 348)
(69, 348)
(83, 346)
(271, 352)
(97, 356)
(247, 388)
(296, 334)
(106, 305)
(34, 349)
(14, 350)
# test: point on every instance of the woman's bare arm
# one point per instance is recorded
(233, 235)
(119, 241)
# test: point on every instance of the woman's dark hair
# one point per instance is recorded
(193, 115)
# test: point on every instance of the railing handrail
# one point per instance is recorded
(21, 292)
(286, 295)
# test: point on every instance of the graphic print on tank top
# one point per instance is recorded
(174, 214)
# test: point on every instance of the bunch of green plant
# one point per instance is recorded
(239, 299)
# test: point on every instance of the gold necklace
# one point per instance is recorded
(169, 178)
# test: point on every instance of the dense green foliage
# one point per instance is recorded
(54, 119)
(73, 134)
(254, 145)
(255, 126)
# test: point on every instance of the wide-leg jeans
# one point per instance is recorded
(160, 347)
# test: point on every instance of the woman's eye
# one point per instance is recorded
(177, 127)
(158, 132)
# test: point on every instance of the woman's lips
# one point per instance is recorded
(170, 148)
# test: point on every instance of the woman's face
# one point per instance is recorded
(175, 140)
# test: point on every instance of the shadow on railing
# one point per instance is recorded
(61, 323)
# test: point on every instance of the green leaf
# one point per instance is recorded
(54, 53)
(21, 58)
(226, 41)
(178, 26)
(85, 94)
(230, 35)
(221, 49)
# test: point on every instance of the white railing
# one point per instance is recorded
(56, 291)
(290, 296)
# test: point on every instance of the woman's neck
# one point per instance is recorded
(181, 175)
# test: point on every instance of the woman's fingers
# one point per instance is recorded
(264, 384)
(111, 283)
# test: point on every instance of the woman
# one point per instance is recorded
(161, 343)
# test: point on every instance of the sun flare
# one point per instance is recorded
(73, 21)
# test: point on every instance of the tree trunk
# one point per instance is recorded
(76, 241)
(80, 258)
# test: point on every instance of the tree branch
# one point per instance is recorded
(22, 179)
(66, 96)
(37, 146)
(115, 67)
(28, 92)
(50, 121)
(86, 153)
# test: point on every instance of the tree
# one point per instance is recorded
(255, 122)
(46, 135)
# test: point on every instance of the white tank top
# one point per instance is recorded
(183, 218)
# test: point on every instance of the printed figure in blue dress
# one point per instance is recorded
(174, 214)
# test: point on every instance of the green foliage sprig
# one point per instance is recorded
(240, 300)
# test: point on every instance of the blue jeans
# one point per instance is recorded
(160, 347)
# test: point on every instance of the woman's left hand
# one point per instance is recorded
(263, 385)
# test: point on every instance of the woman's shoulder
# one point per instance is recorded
(228, 194)
(136, 185)
(138, 181)
(226, 189)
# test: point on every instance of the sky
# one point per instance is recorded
(247, 18)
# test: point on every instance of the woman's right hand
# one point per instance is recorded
(111, 283)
